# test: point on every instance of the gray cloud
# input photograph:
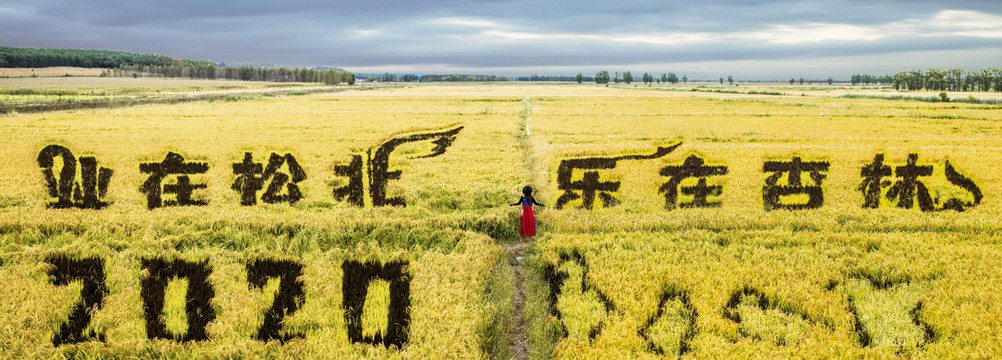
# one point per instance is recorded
(522, 36)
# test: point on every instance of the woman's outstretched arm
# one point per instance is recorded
(536, 203)
(519, 202)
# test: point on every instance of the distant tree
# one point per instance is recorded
(935, 79)
(830, 80)
(617, 79)
(867, 79)
(151, 59)
(602, 77)
(627, 77)
(792, 80)
(721, 80)
(997, 79)
(664, 78)
(956, 78)
(409, 77)
(730, 79)
(984, 78)
(916, 80)
(887, 79)
(672, 78)
(685, 79)
(579, 78)
(900, 80)
(801, 81)
(648, 78)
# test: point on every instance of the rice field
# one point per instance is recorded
(644, 258)
(26, 95)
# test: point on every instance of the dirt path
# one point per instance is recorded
(518, 348)
(517, 252)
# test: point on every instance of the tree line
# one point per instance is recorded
(458, 78)
(603, 77)
(388, 77)
(203, 69)
(953, 79)
(553, 78)
(120, 63)
(15, 57)
(867, 79)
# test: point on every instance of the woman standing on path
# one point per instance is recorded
(528, 217)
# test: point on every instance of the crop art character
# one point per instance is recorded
(590, 187)
(173, 164)
(355, 289)
(773, 191)
(376, 163)
(67, 192)
(873, 180)
(693, 167)
(909, 188)
(198, 297)
(90, 272)
(251, 178)
(568, 277)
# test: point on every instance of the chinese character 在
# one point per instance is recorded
(173, 164)
(67, 192)
(772, 191)
(376, 163)
(590, 187)
(251, 178)
(693, 167)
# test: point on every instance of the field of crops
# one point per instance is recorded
(376, 225)
(839, 280)
(50, 71)
(24, 95)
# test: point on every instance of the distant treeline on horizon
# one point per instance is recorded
(954, 79)
(120, 63)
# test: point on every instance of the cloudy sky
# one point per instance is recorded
(700, 38)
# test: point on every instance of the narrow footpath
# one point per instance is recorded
(517, 251)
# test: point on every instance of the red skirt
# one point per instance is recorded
(528, 221)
